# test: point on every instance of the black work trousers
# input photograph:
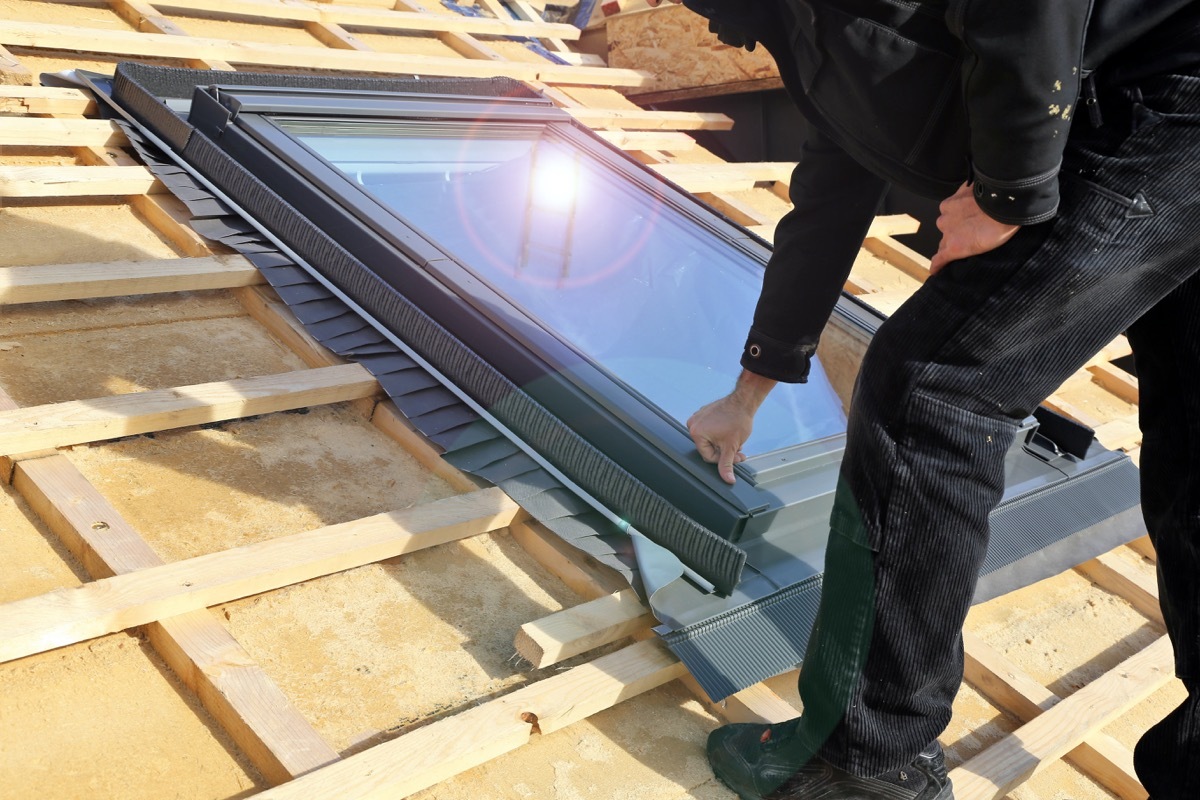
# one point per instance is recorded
(942, 389)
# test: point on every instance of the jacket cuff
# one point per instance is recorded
(1024, 202)
(780, 361)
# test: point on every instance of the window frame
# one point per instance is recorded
(243, 119)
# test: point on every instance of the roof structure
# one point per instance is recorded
(146, 376)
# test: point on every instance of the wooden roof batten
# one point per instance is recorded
(259, 717)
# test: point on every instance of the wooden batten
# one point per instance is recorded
(446, 748)
(380, 18)
(158, 45)
(582, 628)
(44, 100)
(113, 279)
(62, 182)
(82, 421)
(67, 616)
(650, 120)
(33, 132)
(1099, 755)
(1014, 759)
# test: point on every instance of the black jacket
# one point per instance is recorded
(929, 94)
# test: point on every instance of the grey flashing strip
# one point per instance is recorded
(1100, 509)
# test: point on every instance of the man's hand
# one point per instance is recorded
(966, 230)
(656, 3)
(720, 428)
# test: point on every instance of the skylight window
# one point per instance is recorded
(626, 279)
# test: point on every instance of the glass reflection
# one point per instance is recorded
(632, 283)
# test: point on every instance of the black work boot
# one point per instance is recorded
(767, 762)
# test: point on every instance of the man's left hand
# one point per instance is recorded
(966, 230)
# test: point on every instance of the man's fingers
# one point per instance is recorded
(725, 468)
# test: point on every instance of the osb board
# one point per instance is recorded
(106, 720)
(674, 45)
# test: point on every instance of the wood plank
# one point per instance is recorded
(723, 177)
(66, 616)
(52, 282)
(35, 132)
(155, 45)
(44, 100)
(1122, 433)
(1144, 548)
(1115, 575)
(650, 120)
(76, 181)
(909, 261)
(1014, 759)
(886, 225)
(1115, 380)
(82, 421)
(671, 141)
(331, 34)
(738, 210)
(585, 627)
(235, 690)
(997, 678)
(1056, 402)
(376, 18)
(446, 748)
(757, 703)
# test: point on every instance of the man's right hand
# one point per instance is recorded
(720, 428)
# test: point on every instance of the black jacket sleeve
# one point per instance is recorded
(816, 243)
(1021, 83)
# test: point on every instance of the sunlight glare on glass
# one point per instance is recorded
(556, 178)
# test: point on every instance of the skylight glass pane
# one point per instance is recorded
(632, 283)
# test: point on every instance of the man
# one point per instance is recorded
(1065, 139)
